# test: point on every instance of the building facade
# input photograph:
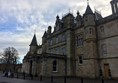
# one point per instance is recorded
(84, 46)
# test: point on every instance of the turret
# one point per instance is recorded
(49, 30)
(114, 6)
(89, 17)
(78, 19)
(89, 24)
(68, 20)
(57, 24)
(90, 46)
(33, 45)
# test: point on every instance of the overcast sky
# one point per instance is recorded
(19, 18)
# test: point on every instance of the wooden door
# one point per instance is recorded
(106, 71)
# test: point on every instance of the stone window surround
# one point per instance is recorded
(102, 28)
(80, 59)
(79, 40)
(103, 49)
(54, 66)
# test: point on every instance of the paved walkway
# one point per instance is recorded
(15, 80)
(56, 80)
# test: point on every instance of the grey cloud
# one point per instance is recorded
(31, 14)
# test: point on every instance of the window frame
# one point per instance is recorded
(103, 49)
(79, 40)
(54, 66)
(102, 29)
(80, 59)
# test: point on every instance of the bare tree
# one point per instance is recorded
(10, 57)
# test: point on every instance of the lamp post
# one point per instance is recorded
(65, 65)
(65, 59)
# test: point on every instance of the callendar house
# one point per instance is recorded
(84, 46)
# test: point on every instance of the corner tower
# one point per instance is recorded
(90, 64)
(114, 6)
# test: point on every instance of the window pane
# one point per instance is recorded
(103, 49)
(90, 30)
(79, 40)
(102, 28)
(54, 65)
(63, 50)
(80, 60)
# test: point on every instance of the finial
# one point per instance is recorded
(45, 29)
(72, 11)
(69, 10)
(62, 15)
(57, 17)
(94, 8)
(35, 30)
(78, 12)
(87, 2)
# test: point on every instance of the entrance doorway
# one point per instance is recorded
(106, 70)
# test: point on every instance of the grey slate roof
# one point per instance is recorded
(34, 41)
(45, 34)
(88, 10)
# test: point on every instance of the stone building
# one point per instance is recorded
(84, 46)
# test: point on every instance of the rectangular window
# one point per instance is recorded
(80, 59)
(51, 51)
(90, 30)
(102, 28)
(57, 39)
(63, 50)
(55, 50)
(54, 66)
(79, 40)
(50, 42)
(103, 49)
(63, 37)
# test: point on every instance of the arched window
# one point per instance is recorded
(54, 65)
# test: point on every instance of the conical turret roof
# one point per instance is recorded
(34, 41)
(88, 10)
(45, 34)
